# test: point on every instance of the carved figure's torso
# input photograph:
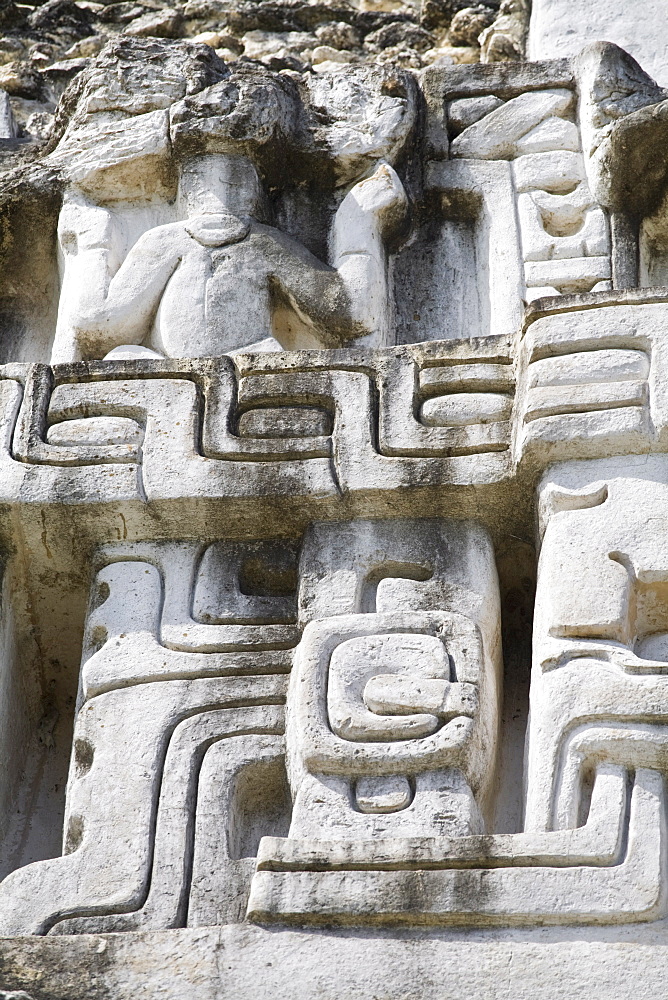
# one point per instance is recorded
(216, 300)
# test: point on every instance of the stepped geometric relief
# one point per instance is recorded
(262, 426)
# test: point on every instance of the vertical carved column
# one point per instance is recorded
(393, 700)
(599, 690)
(177, 659)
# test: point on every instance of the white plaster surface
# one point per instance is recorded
(561, 28)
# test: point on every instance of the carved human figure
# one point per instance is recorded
(219, 280)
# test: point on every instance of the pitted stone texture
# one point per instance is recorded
(360, 115)
(622, 113)
(133, 76)
(505, 39)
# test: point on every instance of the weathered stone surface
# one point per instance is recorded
(62, 16)
(469, 23)
(505, 38)
(333, 432)
(222, 961)
(622, 114)
(338, 35)
(469, 110)
(165, 23)
(401, 34)
(497, 135)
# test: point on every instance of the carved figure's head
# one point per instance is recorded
(219, 182)
(251, 115)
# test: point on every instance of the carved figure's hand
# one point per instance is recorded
(84, 226)
(367, 218)
(382, 195)
(217, 230)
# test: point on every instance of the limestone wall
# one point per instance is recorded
(333, 498)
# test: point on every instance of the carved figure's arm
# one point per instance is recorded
(348, 300)
(99, 311)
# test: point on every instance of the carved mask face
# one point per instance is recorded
(219, 183)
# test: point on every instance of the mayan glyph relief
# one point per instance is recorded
(333, 500)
